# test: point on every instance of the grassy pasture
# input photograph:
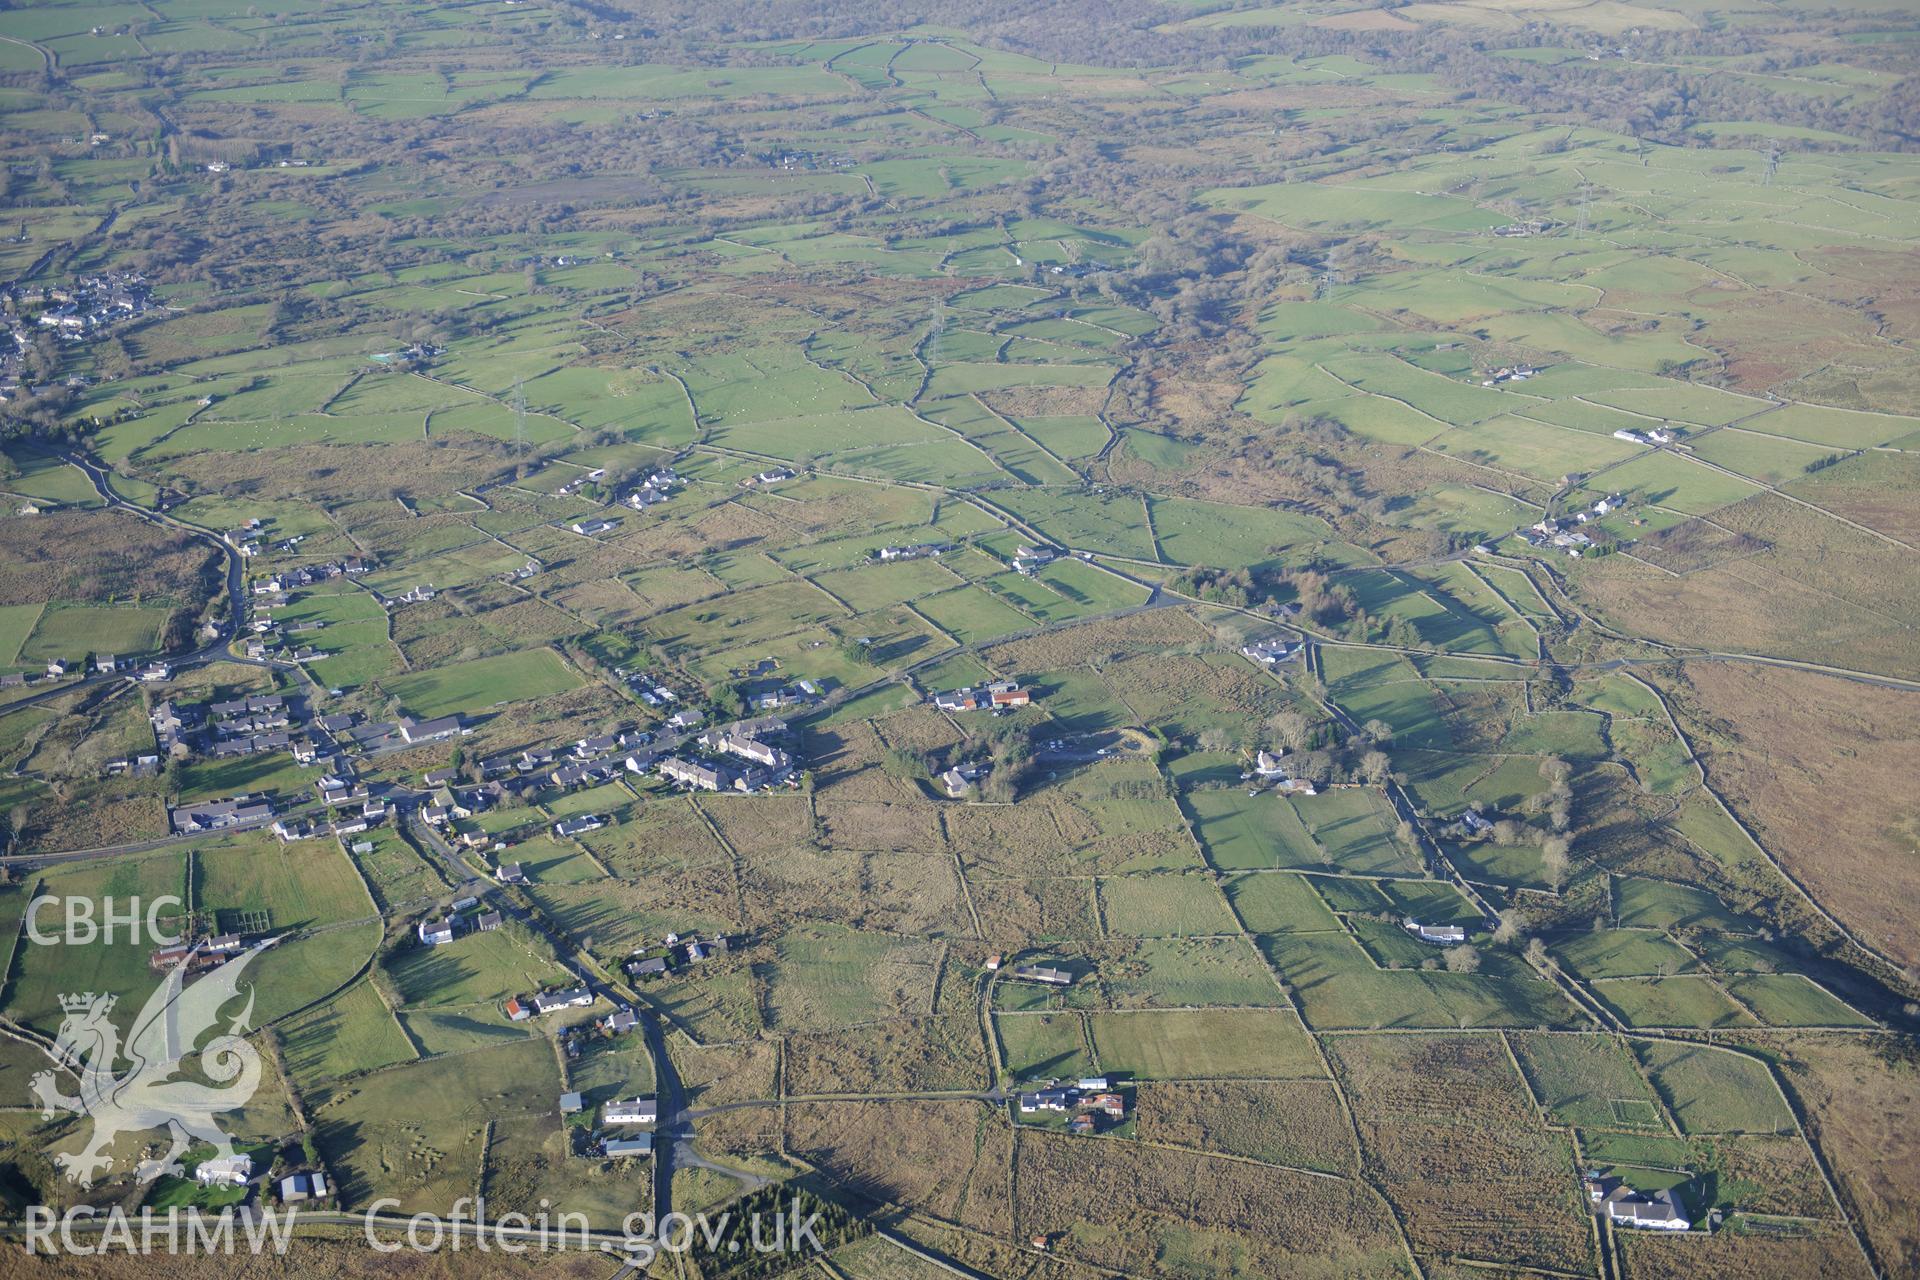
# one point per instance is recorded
(475, 968)
(71, 631)
(1590, 1081)
(1043, 1045)
(1204, 1045)
(1278, 903)
(1685, 1001)
(1621, 953)
(414, 1131)
(469, 687)
(1713, 1090)
(352, 1033)
(1162, 906)
(1792, 1000)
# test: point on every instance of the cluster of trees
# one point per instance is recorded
(1555, 837)
(1321, 600)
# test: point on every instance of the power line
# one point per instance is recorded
(519, 417)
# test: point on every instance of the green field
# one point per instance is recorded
(1713, 1091)
(470, 687)
(1591, 1081)
(73, 631)
(1214, 1044)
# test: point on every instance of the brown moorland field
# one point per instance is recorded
(1440, 1112)
(1856, 1092)
(1818, 766)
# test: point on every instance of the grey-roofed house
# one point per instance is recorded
(692, 773)
(554, 1001)
(1440, 935)
(418, 731)
(1656, 1211)
(1045, 1100)
(631, 1111)
(219, 815)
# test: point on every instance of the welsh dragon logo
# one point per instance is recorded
(149, 1095)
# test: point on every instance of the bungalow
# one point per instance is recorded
(640, 1144)
(303, 1186)
(631, 1111)
(56, 668)
(154, 673)
(510, 873)
(576, 826)
(917, 551)
(1110, 1104)
(1660, 1211)
(593, 528)
(957, 700)
(220, 814)
(619, 1022)
(1044, 974)
(228, 1171)
(774, 476)
(554, 1001)
(1440, 935)
(1045, 1100)
(414, 732)
(1270, 651)
(1027, 559)
(651, 968)
(1474, 822)
(439, 777)
(691, 718)
(436, 933)
(645, 496)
